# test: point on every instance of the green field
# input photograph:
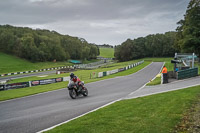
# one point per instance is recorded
(107, 52)
(151, 114)
(9, 64)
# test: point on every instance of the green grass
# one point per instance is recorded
(107, 52)
(90, 61)
(84, 74)
(10, 64)
(156, 81)
(152, 114)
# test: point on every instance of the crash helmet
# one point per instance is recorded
(71, 75)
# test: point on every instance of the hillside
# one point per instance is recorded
(10, 63)
(42, 45)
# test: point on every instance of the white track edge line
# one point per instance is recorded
(79, 116)
(160, 70)
(147, 82)
(164, 91)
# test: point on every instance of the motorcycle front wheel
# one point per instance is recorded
(72, 94)
(85, 92)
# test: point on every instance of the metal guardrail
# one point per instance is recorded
(102, 74)
(32, 83)
(47, 69)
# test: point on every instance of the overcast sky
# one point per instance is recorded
(98, 21)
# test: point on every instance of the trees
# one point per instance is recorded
(188, 31)
(186, 39)
(158, 45)
(44, 45)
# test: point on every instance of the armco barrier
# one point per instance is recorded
(102, 74)
(187, 73)
(2, 87)
(16, 85)
(32, 83)
(47, 69)
(46, 81)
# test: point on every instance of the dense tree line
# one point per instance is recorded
(44, 45)
(188, 31)
(186, 39)
(158, 45)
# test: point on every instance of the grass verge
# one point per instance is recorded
(156, 81)
(16, 93)
(154, 114)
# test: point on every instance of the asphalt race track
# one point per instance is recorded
(38, 112)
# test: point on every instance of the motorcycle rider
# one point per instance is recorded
(76, 80)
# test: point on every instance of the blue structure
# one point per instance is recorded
(75, 61)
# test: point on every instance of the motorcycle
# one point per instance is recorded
(74, 91)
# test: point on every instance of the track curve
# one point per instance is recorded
(38, 112)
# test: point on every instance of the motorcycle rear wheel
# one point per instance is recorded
(72, 94)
